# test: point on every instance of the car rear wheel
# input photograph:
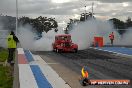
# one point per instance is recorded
(58, 50)
(75, 50)
(55, 50)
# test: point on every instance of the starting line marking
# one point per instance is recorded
(40, 77)
(34, 72)
(26, 77)
(54, 79)
(112, 52)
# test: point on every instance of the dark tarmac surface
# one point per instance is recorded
(101, 65)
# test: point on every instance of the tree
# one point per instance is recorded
(40, 23)
(8, 22)
(119, 25)
(129, 22)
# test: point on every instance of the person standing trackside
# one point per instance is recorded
(11, 44)
(111, 36)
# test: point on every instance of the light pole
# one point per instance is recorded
(85, 10)
(85, 13)
(16, 16)
(92, 9)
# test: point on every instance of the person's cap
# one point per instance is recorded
(12, 33)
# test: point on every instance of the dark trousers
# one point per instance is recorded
(11, 52)
(111, 41)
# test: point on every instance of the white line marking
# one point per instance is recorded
(20, 50)
(54, 79)
(26, 77)
(112, 52)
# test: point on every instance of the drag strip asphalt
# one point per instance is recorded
(101, 65)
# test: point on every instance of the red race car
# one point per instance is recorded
(63, 43)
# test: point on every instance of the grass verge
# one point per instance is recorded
(3, 54)
(6, 78)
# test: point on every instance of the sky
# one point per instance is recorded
(62, 10)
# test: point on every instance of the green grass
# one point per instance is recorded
(6, 79)
(3, 54)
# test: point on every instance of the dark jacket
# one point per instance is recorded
(14, 37)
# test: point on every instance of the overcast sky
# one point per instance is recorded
(64, 9)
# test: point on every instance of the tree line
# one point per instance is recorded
(118, 24)
(121, 25)
(41, 24)
(83, 17)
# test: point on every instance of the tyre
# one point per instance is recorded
(75, 50)
(57, 50)
(53, 50)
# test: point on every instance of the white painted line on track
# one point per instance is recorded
(54, 79)
(112, 52)
(38, 59)
(52, 63)
(20, 50)
(26, 77)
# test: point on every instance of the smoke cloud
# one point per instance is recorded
(82, 34)
(3, 35)
(126, 39)
(45, 43)
(28, 39)
(26, 36)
